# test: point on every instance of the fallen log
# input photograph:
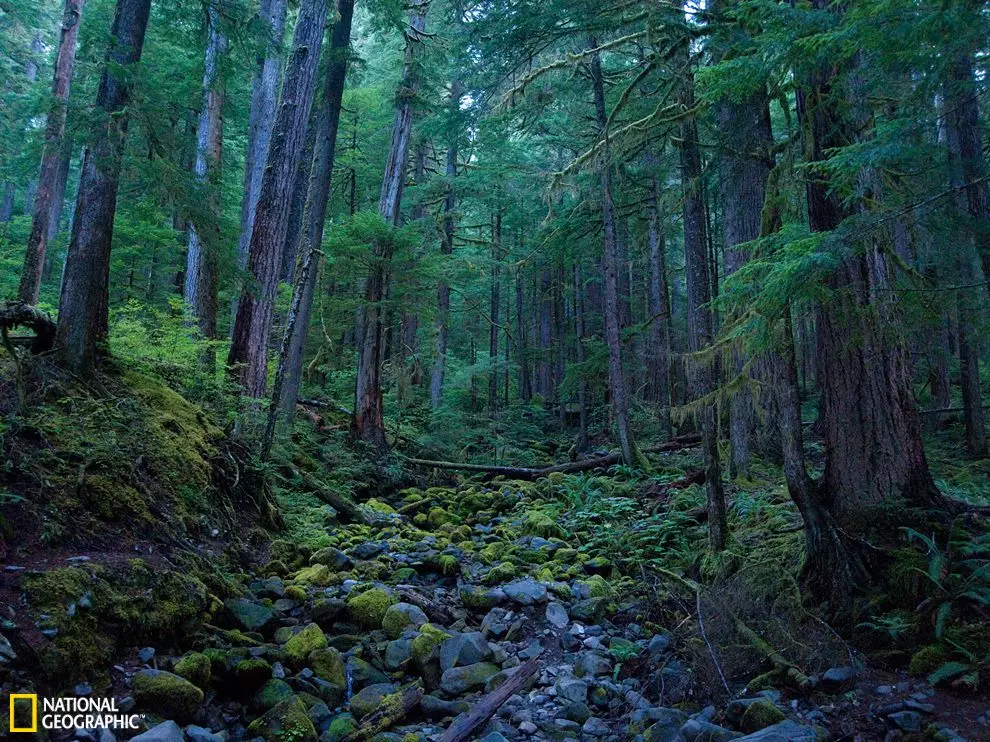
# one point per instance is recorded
(464, 724)
(14, 314)
(436, 612)
(572, 467)
(394, 709)
(350, 511)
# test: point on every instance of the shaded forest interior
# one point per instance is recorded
(437, 356)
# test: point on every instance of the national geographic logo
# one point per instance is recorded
(67, 713)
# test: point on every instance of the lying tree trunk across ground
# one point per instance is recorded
(571, 467)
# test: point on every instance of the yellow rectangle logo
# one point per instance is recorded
(33, 698)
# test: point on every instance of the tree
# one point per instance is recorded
(83, 303)
(54, 170)
(248, 356)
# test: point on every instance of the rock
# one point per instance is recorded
(596, 727)
(319, 714)
(567, 726)
(368, 608)
(459, 680)
(592, 665)
(167, 731)
(576, 711)
(331, 557)
(200, 734)
(437, 708)
(145, 654)
(370, 698)
(328, 664)
(249, 674)
(480, 598)
(339, 728)
(526, 591)
(271, 694)
(362, 673)
(760, 715)
(907, 721)
(402, 616)
(299, 647)
(167, 694)
(660, 644)
(838, 679)
(195, 668)
(464, 649)
(572, 689)
(398, 653)
(557, 615)
(327, 610)
(785, 731)
(288, 720)
(528, 727)
(498, 679)
(702, 731)
(369, 549)
(589, 611)
(251, 616)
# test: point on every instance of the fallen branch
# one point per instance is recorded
(529, 473)
(784, 669)
(14, 314)
(350, 511)
(485, 708)
(394, 708)
(436, 612)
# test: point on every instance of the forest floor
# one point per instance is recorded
(574, 607)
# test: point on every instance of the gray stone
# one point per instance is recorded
(464, 649)
(325, 612)
(146, 654)
(200, 734)
(701, 731)
(167, 731)
(660, 644)
(251, 616)
(596, 727)
(397, 653)
(576, 711)
(838, 679)
(908, 721)
(572, 689)
(437, 708)
(528, 727)
(402, 616)
(370, 698)
(369, 549)
(526, 591)
(567, 726)
(459, 680)
(591, 665)
(332, 557)
(363, 673)
(557, 615)
(785, 731)
(589, 611)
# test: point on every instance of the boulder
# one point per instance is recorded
(299, 647)
(368, 699)
(167, 731)
(402, 616)
(287, 720)
(251, 616)
(167, 694)
(459, 680)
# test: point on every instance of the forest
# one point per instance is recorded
(416, 370)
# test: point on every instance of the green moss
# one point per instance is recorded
(368, 608)
(928, 659)
(318, 575)
(341, 726)
(598, 587)
(286, 722)
(328, 664)
(299, 647)
(494, 552)
(445, 564)
(426, 644)
(379, 507)
(251, 673)
(404, 574)
(166, 694)
(539, 523)
(761, 715)
(500, 573)
(271, 694)
(296, 593)
(196, 668)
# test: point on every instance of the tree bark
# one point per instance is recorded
(369, 424)
(579, 330)
(202, 252)
(658, 348)
(54, 159)
(611, 268)
(248, 357)
(264, 99)
(294, 234)
(319, 194)
(84, 299)
(699, 319)
(525, 378)
(493, 310)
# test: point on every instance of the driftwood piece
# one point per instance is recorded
(485, 708)
(394, 709)
(348, 510)
(530, 473)
(14, 314)
(436, 612)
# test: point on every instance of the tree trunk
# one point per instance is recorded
(54, 159)
(84, 299)
(248, 357)
(658, 353)
(446, 245)
(582, 441)
(319, 195)
(699, 319)
(202, 250)
(294, 234)
(264, 99)
(494, 306)
(369, 424)
(611, 268)
(525, 379)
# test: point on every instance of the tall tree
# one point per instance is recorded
(248, 356)
(84, 300)
(54, 159)
(202, 259)
(369, 423)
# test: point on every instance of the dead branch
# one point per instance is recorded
(394, 709)
(485, 708)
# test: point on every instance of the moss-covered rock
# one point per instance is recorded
(296, 593)
(196, 668)
(480, 598)
(501, 573)
(299, 647)
(341, 726)
(271, 694)
(928, 659)
(400, 617)
(318, 575)
(370, 698)
(328, 664)
(286, 722)
(426, 644)
(459, 680)
(167, 695)
(368, 609)
(249, 674)
(760, 715)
